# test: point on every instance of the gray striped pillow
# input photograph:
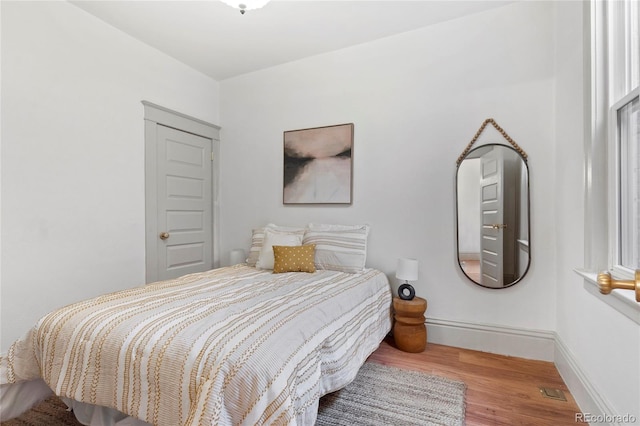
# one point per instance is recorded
(257, 238)
(339, 248)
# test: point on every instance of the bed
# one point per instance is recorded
(234, 345)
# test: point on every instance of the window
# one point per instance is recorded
(612, 159)
(621, 62)
(628, 162)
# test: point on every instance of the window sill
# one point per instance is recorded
(621, 300)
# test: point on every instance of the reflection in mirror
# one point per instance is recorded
(493, 215)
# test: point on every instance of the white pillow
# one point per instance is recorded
(257, 239)
(339, 247)
(275, 237)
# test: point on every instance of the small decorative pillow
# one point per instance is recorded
(294, 259)
(274, 237)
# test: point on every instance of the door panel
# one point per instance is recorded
(185, 221)
(183, 187)
(181, 256)
(184, 203)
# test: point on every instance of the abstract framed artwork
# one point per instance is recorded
(318, 165)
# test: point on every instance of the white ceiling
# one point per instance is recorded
(220, 42)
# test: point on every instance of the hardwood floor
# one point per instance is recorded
(472, 269)
(501, 390)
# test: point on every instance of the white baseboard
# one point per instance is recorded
(531, 344)
(523, 343)
(591, 403)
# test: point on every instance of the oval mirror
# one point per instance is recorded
(492, 206)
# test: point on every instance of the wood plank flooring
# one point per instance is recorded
(501, 390)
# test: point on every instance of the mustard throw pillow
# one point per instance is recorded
(294, 258)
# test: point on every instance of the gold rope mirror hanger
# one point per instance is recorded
(500, 130)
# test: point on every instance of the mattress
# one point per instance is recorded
(230, 346)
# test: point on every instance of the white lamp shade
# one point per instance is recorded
(246, 4)
(237, 256)
(407, 269)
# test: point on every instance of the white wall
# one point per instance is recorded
(416, 100)
(73, 155)
(603, 343)
(0, 177)
(468, 207)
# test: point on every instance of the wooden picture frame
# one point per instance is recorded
(318, 165)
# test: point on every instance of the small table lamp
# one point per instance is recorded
(237, 256)
(407, 270)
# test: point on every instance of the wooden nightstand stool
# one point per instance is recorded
(409, 331)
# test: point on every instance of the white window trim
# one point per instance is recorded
(617, 270)
(598, 214)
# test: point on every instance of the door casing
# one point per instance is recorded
(155, 115)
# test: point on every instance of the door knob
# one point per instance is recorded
(607, 284)
(164, 235)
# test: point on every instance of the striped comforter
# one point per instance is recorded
(234, 345)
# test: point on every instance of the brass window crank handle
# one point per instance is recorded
(607, 284)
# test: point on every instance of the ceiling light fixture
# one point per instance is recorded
(245, 5)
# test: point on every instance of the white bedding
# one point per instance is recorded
(233, 345)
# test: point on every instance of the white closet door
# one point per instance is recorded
(184, 197)
(491, 243)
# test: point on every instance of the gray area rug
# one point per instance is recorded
(385, 396)
(379, 396)
(50, 412)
